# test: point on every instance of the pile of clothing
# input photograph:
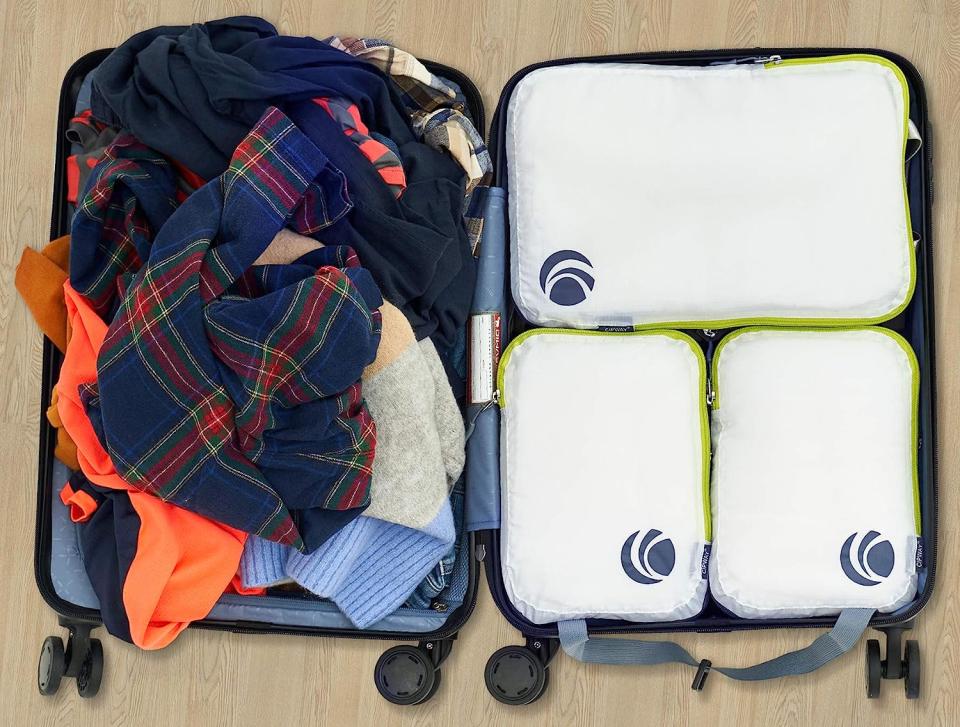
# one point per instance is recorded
(261, 308)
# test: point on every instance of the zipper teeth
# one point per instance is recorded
(494, 577)
(42, 564)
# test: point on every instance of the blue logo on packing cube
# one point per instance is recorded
(650, 559)
(565, 279)
(865, 560)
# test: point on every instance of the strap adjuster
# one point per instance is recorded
(703, 671)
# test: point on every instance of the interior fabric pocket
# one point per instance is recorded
(683, 197)
(814, 489)
(604, 458)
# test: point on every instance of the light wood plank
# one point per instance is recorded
(214, 678)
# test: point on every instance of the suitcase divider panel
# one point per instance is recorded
(486, 341)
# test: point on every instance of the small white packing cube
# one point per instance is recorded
(814, 488)
(604, 460)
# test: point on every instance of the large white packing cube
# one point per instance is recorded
(702, 196)
(604, 459)
(814, 483)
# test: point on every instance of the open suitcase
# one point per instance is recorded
(540, 542)
(405, 674)
(519, 674)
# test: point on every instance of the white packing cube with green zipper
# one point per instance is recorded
(604, 466)
(814, 488)
(691, 196)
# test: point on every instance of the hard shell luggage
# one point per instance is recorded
(568, 283)
(405, 674)
(557, 253)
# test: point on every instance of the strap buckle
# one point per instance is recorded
(703, 671)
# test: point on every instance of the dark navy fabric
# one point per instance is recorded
(416, 245)
(108, 542)
(128, 198)
(193, 92)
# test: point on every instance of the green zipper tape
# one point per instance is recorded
(915, 386)
(702, 405)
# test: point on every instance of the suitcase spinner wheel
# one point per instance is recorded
(898, 664)
(91, 670)
(517, 675)
(82, 659)
(408, 675)
(911, 680)
(874, 669)
(53, 663)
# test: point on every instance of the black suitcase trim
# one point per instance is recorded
(73, 615)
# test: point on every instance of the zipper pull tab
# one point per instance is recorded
(749, 60)
(711, 394)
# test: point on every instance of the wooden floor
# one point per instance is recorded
(213, 678)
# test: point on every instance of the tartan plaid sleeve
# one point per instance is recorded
(129, 196)
(247, 409)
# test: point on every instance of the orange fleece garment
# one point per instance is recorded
(39, 279)
(184, 561)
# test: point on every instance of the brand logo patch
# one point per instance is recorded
(563, 281)
(649, 559)
(705, 561)
(866, 561)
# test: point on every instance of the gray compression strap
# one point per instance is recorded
(850, 626)
(576, 642)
